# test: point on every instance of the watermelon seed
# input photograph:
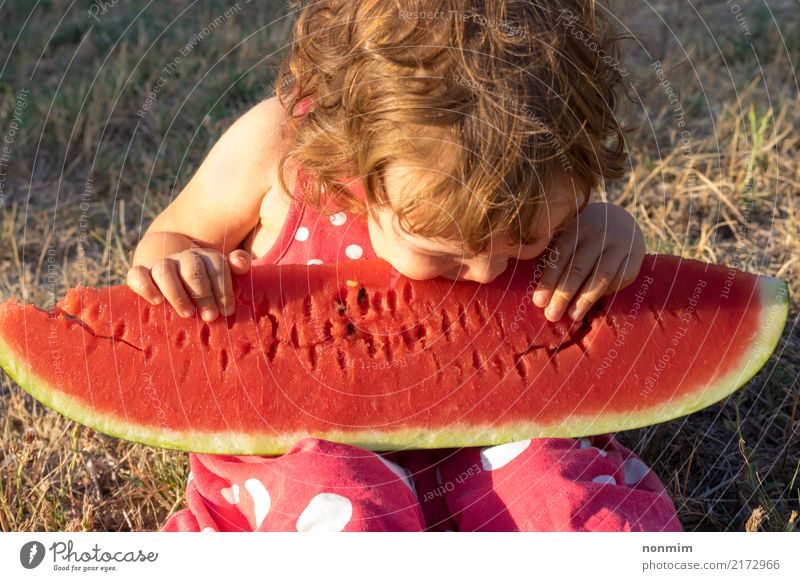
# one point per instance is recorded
(462, 317)
(351, 328)
(387, 349)
(407, 339)
(370, 345)
(205, 335)
(377, 302)
(408, 293)
(180, 338)
(391, 301)
(362, 295)
(497, 363)
(499, 320)
(476, 360)
(479, 313)
(223, 359)
(312, 357)
(551, 357)
(519, 365)
(446, 325)
(293, 337)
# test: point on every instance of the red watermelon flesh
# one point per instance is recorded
(357, 353)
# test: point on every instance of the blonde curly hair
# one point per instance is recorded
(515, 91)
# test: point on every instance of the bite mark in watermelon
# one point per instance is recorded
(354, 352)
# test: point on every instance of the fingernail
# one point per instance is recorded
(157, 301)
(576, 312)
(209, 314)
(540, 298)
(228, 310)
(551, 313)
(187, 312)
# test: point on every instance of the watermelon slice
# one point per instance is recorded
(354, 352)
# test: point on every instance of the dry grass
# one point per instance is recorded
(733, 466)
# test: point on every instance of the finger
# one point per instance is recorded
(240, 261)
(220, 275)
(578, 270)
(165, 276)
(554, 261)
(140, 281)
(605, 273)
(196, 280)
(628, 270)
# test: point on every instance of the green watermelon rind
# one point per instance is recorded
(774, 298)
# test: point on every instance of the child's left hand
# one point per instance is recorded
(599, 253)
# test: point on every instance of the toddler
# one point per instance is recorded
(445, 137)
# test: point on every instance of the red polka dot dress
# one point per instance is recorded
(545, 484)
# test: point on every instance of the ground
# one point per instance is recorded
(108, 111)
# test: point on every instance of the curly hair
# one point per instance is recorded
(500, 94)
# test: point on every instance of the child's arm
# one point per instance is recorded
(598, 253)
(189, 251)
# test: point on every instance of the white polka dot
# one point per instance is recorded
(261, 499)
(604, 479)
(230, 494)
(338, 218)
(354, 251)
(326, 512)
(585, 443)
(404, 474)
(498, 456)
(302, 234)
(209, 530)
(635, 470)
(314, 261)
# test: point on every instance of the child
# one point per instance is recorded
(444, 137)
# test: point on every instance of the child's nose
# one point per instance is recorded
(484, 270)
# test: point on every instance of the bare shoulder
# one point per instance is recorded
(224, 201)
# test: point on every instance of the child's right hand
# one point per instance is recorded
(194, 275)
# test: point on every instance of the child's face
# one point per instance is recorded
(422, 258)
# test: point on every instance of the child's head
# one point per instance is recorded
(477, 127)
